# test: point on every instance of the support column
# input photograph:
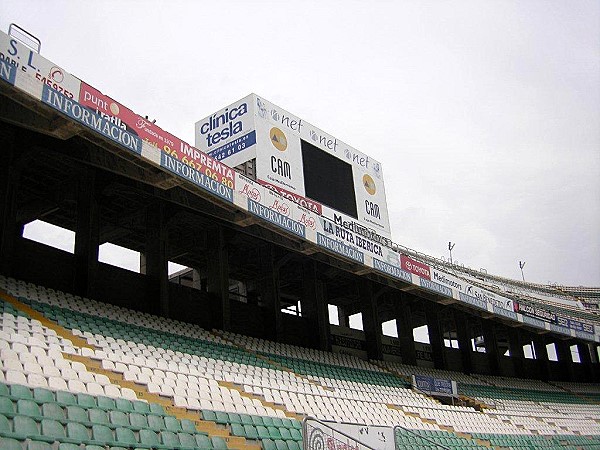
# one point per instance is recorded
(217, 283)
(314, 306)
(435, 334)
(87, 235)
(9, 179)
(404, 327)
(516, 351)
(343, 318)
(269, 289)
(154, 259)
(463, 335)
(585, 358)
(491, 346)
(370, 318)
(541, 355)
(565, 360)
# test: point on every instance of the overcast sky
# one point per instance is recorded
(484, 114)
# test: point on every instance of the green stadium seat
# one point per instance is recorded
(125, 437)
(257, 420)
(65, 398)
(295, 434)
(219, 443)
(138, 421)
(105, 402)
(188, 426)
(76, 414)
(222, 417)
(294, 445)
(4, 391)
(38, 445)
(42, 395)
(169, 439)
(250, 431)
(280, 444)
(10, 444)
(53, 411)
(68, 446)
(238, 430)
(209, 415)
(234, 418)
(156, 423)
(52, 430)
(203, 442)
(263, 432)
(77, 432)
(141, 407)
(172, 424)
(277, 422)
(245, 419)
(25, 427)
(157, 409)
(98, 416)
(6, 406)
(149, 438)
(274, 433)
(267, 421)
(18, 391)
(186, 440)
(268, 444)
(118, 418)
(122, 404)
(86, 401)
(102, 435)
(4, 426)
(296, 424)
(285, 434)
(28, 408)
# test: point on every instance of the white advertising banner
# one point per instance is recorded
(228, 135)
(30, 71)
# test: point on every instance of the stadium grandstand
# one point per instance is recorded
(237, 350)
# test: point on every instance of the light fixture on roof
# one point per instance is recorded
(521, 265)
(450, 247)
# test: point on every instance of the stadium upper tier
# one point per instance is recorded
(66, 110)
(77, 371)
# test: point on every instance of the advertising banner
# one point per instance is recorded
(418, 268)
(33, 71)
(537, 312)
(228, 135)
(127, 120)
(319, 435)
(435, 386)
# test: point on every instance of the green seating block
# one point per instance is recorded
(188, 426)
(238, 430)
(263, 433)
(257, 420)
(296, 434)
(149, 438)
(274, 433)
(285, 434)
(156, 423)
(294, 445)
(98, 416)
(268, 444)
(138, 421)
(186, 440)
(39, 445)
(4, 425)
(4, 391)
(86, 401)
(103, 435)
(172, 424)
(68, 446)
(141, 407)
(76, 414)
(222, 417)
(118, 418)
(10, 444)
(105, 402)
(207, 414)
(25, 427)
(280, 444)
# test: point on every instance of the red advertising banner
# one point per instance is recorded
(149, 132)
(416, 267)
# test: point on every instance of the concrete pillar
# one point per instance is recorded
(516, 351)
(541, 356)
(491, 346)
(217, 283)
(154, 260)
(314, 306)
(87, 235)
(9, 180)
(435, 334)
(269, 292)
(343, 319)
(404, 326)
(370, 318)
(463, 335)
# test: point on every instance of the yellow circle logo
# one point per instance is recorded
(369, 184)
(278, 139)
